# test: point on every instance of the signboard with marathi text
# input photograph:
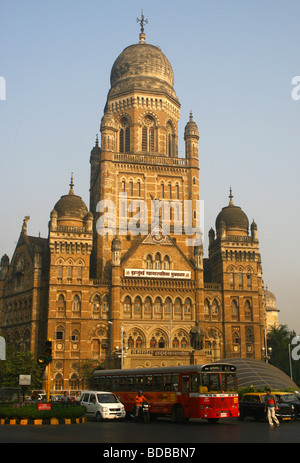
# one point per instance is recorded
(44, 406)
(149, 273)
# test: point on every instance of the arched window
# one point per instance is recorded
(167, 263)
(74, 382)
(124, 136)
(60, 333)
(61, 304)
(148, 305)
(96, 304)
(157, 261)
(105, 306)
(76, 303)
(127, 305)
(75, 336)
(58, 382)
(248, 312)
(158, 305)
(206, 309)
(148, 142)
(137, 305)
(169, 147)
(215, 312)
(168, 306)
(149, 262)
(187, 306)
(234, 310)
(153, 343)
(175, 343)
(178, 306)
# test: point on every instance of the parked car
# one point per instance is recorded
(289, 398)
(253, 405)
(102, 405)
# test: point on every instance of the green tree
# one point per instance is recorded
(279, 339)
(20, 363)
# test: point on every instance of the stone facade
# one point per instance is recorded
(129, 289)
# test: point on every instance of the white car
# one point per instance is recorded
(102, 405)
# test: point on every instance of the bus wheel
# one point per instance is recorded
(178, 414)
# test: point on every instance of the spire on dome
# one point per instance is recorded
(71, 192)
(142, 21)
(230, 197)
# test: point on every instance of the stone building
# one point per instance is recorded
(124, 282)
(272, 312)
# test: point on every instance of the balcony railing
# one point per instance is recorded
(150, 159)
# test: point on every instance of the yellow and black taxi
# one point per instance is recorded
(252, 404)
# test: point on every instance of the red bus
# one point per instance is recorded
(195, 391)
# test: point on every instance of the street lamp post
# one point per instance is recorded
(119, 351)
(267, 351)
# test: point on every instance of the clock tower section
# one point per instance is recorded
(136, 171)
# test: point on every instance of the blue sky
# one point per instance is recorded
(233, 60)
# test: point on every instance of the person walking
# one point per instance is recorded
(270, 408)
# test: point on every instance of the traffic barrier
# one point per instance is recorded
(51, 421)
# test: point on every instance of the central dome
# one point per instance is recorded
(142, 67)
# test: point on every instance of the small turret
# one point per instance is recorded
(4, 265)
(191, 137)
(116, 247)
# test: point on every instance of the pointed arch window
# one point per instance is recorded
(158, 262)
(61, 304)
(127, 304)
(124, 136)
(148, 135)
(234, 310)
(158, 305)
(178, 306)
(76, 304)
(148, 305)
(137, 305)
(248, 312)
(96, 304)
(169, 146)
(149, 262)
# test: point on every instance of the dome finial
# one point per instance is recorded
(142, 21)
(230, 197)
(71, 192)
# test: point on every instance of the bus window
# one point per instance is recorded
(185, 384)
(228, 382)
(131, 383)
(212, 382)
(157, 383)
(175, 383)
(102, 383)
(123, 381)
(148, 383)
(194, 382)
(139, 383)
(115, 383)
(108, 383)
(166, 382)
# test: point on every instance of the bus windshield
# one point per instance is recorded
(216, 382)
